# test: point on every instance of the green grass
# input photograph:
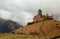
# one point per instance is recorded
(17, 36)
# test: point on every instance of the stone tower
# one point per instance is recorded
(38, 17)
(40, 12)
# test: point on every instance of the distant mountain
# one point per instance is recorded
(48, 28)
(7, 26)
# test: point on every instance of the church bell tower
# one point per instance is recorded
(40, 12)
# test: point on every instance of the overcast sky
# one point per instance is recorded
(22, 11)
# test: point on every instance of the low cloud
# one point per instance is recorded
(23, 11)
(5, 14)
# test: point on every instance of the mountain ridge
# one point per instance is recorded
(7, 26)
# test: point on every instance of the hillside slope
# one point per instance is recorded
(49, 28)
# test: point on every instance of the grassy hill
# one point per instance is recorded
(49, 28)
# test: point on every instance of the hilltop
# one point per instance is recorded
(49, 28)
(42, 25)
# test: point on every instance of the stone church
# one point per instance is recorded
(39, 17)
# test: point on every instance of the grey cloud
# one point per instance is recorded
(23, 11)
